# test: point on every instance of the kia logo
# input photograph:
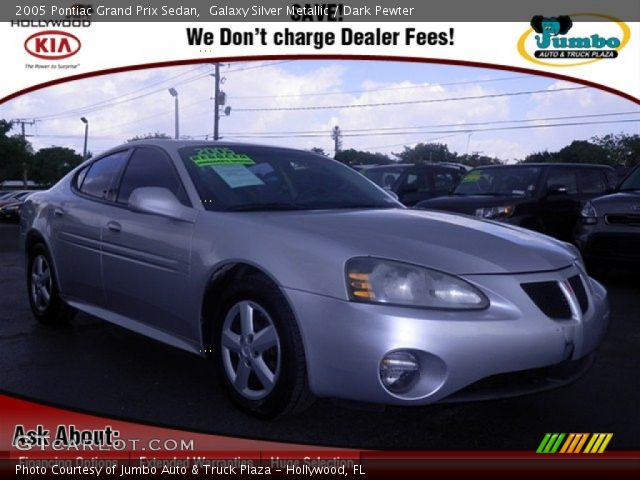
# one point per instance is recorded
(52, 45)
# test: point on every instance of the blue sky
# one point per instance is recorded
(123, 105)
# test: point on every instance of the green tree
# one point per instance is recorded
(476, 160)
(318, 150)
(50, 164)
(582, 151)
(621, 149)
(14, 153)
(541, 157)
(360, 157)
(148, 136)
(426, 152)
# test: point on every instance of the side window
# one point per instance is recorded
(416, 180)
(612, 179)
(80, 177)
(445, 180)
(149, 167)
(99, 180)
(591, 181)
(565, 177)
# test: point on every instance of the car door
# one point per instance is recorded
(559, 209)
(76, 223)
(146, 257)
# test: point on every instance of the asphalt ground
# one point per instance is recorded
(93, 366)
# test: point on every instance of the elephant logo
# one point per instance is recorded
(550, 27)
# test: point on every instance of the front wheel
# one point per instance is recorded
(261, 357)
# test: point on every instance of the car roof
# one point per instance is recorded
(548, 165)
(402, 165)
(174, 145)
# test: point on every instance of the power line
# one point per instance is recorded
(408, 102)
(343, 92)
(379, 129)
(258, 66)
(115, 100)
(462, 130)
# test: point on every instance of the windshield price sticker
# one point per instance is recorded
(219, 156)
(472, 177)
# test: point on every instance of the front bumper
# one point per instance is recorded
(346, 341)
(613, 244)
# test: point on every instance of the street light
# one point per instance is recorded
(86, 136)
(174, 94)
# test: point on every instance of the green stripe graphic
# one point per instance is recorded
(543, 443)
(556, 446)
(551, 442)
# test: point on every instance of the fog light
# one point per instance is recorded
(399, 371)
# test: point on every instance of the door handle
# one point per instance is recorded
(57, 212)
(114, 227)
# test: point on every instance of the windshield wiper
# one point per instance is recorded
(268, 206)
(629, 189)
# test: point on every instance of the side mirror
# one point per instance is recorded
(556, 190)
(160, 201)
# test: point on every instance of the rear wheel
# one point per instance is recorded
(260, 353)
(44, 298)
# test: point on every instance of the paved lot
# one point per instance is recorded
(91, 365)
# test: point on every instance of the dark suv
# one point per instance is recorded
(546, 197)
(413, 183)
(608, 232)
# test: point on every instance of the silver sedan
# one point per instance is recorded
(303, 279)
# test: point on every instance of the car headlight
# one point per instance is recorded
(377, 280)
(10, 209)
(588, 214)
(496, 212)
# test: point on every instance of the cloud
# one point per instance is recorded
(295, 84)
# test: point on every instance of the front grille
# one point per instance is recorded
(580, 292)
(549, 298)
(623, 219)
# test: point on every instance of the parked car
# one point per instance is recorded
(17, 196)
(303, 279)
(11, 211)
(414, 183)
(545, 197)
(608, 232)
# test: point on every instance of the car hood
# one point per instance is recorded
(469, 203)
(452, 243)
(623, 202)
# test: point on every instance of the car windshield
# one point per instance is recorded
(249, 178)
(510, 181)
(385, 177)
(632, 182)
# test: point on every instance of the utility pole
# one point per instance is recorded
(336, 135)
(216, 103)
(24, 144)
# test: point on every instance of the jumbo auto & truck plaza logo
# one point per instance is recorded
(567, 40)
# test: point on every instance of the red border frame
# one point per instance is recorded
(463, 63)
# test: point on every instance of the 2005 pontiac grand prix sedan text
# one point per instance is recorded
(307, 280)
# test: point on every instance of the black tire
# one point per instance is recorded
(290, 392)
(53, 311)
